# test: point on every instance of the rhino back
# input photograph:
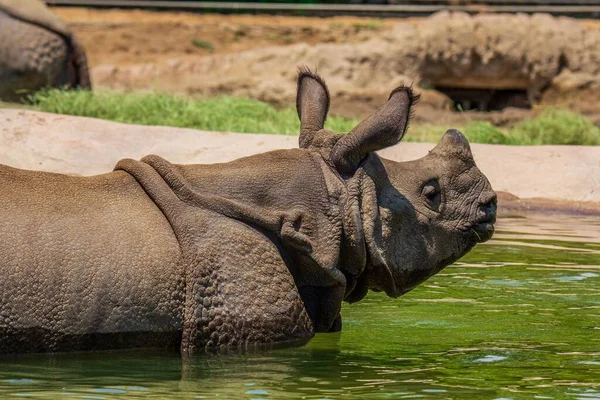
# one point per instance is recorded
(84, 259)
(269, 179)
(35, 12)
(35, 58)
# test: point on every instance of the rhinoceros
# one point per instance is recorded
(37, 50)
(260, 251)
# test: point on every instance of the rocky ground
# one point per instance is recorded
(556, 61)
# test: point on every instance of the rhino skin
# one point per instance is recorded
(256, 252)
(37, 50)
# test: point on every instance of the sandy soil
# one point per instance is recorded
(566, 177)
(123, 37)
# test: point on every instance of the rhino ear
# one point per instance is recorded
(382, 129)
(312, 104)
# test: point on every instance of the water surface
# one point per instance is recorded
(518, 318)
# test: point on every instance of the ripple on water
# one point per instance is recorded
(22, 381)
(579, 277)
(257, 391)
(108, 390)
(490, 359)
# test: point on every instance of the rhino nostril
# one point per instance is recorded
(489, 209)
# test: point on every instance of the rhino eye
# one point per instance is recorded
(432, 194)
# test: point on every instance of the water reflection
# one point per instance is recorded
(517, 318)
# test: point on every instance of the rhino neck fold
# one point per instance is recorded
(377, 274)
(360, 214)
(311, 216)
(295, 210)
(284, 223)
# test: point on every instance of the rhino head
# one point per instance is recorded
(403, 221)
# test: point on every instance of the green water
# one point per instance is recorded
(518, 318)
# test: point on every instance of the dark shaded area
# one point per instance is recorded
(35, 340)
(485, 99)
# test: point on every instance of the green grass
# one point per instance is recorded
(484, 132)
(551, 126)
(229, 114)
(203, 44)
(226, 114)
(556, 126)
(373, 25)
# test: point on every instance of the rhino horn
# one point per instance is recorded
(312, 104)
(454, 143)
(384, 128)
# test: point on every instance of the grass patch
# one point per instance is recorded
(203, 44)
(372, 25)
(551, 126)
(484, 132)
(230, 114)
(557, 126)
(226, 114)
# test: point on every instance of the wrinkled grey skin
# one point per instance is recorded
(256, 252)
(36, 51)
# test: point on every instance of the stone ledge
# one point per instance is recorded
(88, 146)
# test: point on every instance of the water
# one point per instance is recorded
(518, 318)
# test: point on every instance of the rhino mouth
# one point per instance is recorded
(483, 231)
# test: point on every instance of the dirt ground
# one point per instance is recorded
(129, 38)
(150, 50)
(124, 37)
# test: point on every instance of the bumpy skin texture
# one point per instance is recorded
(257, 252)
(86, 263)
(36, 51)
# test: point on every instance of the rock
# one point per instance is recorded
(575, 90)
